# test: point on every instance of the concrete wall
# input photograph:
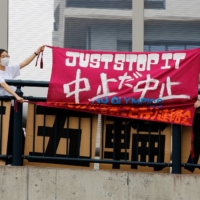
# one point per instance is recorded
(32, 183)
(98, 13)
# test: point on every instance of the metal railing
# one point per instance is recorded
(124, 142)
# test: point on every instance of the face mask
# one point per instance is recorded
(5, 61)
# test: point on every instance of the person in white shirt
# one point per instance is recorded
(12, 71)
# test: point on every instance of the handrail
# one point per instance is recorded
(18, 155)
(28, 83)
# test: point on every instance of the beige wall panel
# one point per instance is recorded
(61, 150)
(166, 133)
(5, 129)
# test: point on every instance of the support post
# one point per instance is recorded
(176, 149)
(17, 133)
(4, 24)
(137, 25)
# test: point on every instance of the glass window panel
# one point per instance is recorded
(123, 46)
(157, 48)
(102, 4)
(176, 47)
(192, 46)
(146, 48)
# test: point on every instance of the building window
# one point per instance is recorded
(156, 47)
(154, 4)
(114, 4)
(170, 47)
(124, 45)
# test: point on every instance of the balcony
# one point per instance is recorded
(114, 4)
(122, 143)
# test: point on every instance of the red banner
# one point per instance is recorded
(160, 86)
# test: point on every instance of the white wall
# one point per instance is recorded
(31, 25)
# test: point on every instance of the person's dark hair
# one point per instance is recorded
(2, 50)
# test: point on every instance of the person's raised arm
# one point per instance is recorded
(6, 87)
(31, 57)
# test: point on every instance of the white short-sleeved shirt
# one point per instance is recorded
(11, 72)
